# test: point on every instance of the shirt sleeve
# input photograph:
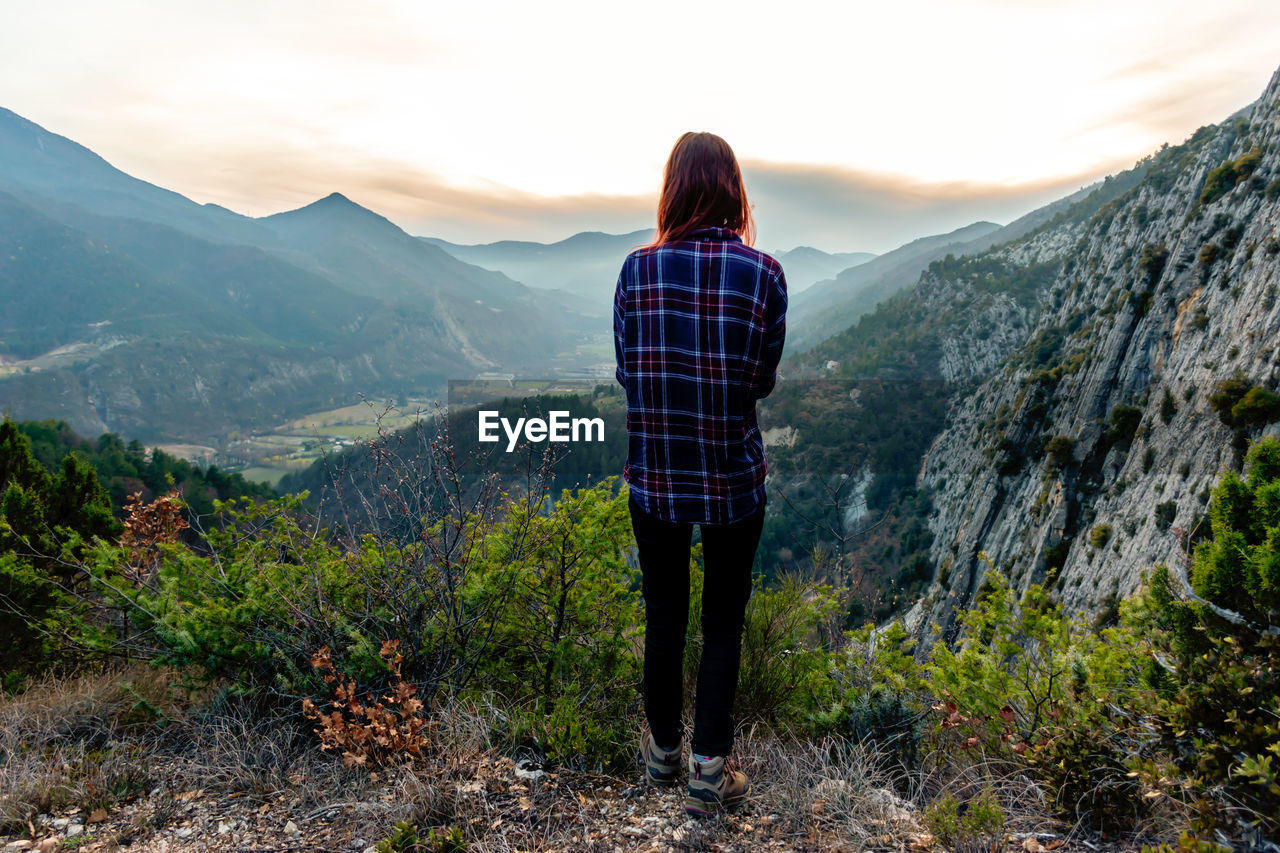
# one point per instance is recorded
(775, 316)
(619, 325)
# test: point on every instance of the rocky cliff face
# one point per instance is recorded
(1083, 451)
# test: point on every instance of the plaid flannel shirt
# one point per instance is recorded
(698, 326)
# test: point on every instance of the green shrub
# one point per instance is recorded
(1241, 404)
(1172, 697)
(1199, 322)
(1011, 661)
(1257, 408)
(1222, 179)
(1029, 686)
(875, 692)
(973, 825)
(539, 607)
(1100, 535)
(1218, 692)
(1217, 183)
(784, 662)
(1168, 407)
(1059, 451)
(566, 621)
(46, 523)
(404, 838)
(1152, 263)
(1123, 424)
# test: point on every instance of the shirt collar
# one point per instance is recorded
(714, 233)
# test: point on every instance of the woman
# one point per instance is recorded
(699, 319)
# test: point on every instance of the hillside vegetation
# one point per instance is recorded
(372, 638)
(1019, 586)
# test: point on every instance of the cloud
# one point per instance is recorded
(832, 208)
(844, 210)
(266, 106)
(1169, 111)
(260, 182)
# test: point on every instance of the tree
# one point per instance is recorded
(44, 521)
(1218, 692)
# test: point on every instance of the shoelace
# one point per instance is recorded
(729, 767)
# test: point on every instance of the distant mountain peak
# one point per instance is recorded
(333, 201)
(334, 206)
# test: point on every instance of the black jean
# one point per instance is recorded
(728, 551)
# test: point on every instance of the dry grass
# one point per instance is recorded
(66, 742)
(81, 743)
(232, 747)
(831, 787)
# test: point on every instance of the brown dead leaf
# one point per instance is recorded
(97, 816)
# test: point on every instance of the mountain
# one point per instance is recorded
(1098, 375)
(33, 160)
(835, 304)
(368, 255)
(57, 285)
(1090, 458)
(831, 306)
(585, 265)
(266, 295)
(134, 310)
(805, 266)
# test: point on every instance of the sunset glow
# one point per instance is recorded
(520, 120)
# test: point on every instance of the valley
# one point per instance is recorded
(253, 342)
(279, 489)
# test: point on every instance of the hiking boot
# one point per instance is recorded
(714, 784)
(662, 767)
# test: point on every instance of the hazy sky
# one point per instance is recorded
(861, 125)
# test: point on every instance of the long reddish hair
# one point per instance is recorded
(702, 188)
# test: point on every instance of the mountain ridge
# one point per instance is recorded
(1086, 358)
(331, 290)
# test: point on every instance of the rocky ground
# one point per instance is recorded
(79, 771)
(498, 805)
